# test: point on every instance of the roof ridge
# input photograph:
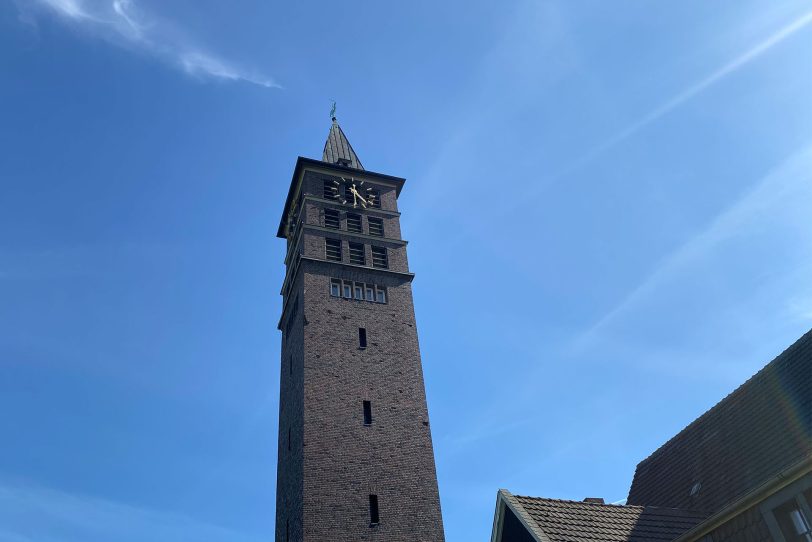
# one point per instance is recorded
(613, 505)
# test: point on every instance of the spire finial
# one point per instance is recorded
(333, 111)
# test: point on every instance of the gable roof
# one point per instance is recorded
(337, 147)
(553, 520)
(755, 433)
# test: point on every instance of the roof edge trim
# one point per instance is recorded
(505, 497)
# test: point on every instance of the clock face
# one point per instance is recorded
(358, 195)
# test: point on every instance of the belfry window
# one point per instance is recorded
(357, 254)
(332, 219)
(354, 223)
(375, 226)
(331, 189)
(380, 258)
(333, 249)
(374, 195)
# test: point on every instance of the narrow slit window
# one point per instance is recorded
(332, 219)
(374, 513)
(367, 413)
(357, 254)
(287, 530)
(362, 337)
(380, 258)
(333, 249)
(290, 365)
(375, 226)
(289, 439)
(359, 291)
(335, 288)
(331, 189)
(354, 223)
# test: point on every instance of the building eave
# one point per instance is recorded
(749, 499)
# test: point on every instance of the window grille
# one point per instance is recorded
(331, 189)
(357, 254)
(380, 258)
(333, 249)
(374, 197)
(375, 226)
(332, 219)
(354, 223)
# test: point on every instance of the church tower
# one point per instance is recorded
(355, 454)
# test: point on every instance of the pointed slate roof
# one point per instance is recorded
(337, 147)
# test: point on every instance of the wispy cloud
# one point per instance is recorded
(124, 23)
(29, 513)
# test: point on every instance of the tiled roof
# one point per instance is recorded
(575, 521)
(337, 147)
(756, 432)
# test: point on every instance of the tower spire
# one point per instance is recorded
(337, 148)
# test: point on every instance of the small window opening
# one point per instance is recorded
(362, 337)
(348, 290)
(335, 288)
(367, 413)
(359, 291)
(370, 293)
(793, 523)
(346, 162)
(381, 295)
(374, 515)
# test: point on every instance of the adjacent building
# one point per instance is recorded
(741, 472)
(355, 452)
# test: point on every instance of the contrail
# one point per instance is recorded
(697, 88)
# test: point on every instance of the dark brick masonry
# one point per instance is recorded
(330, 462)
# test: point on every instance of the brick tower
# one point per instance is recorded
(355, 453)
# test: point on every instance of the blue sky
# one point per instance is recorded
(608, 206)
